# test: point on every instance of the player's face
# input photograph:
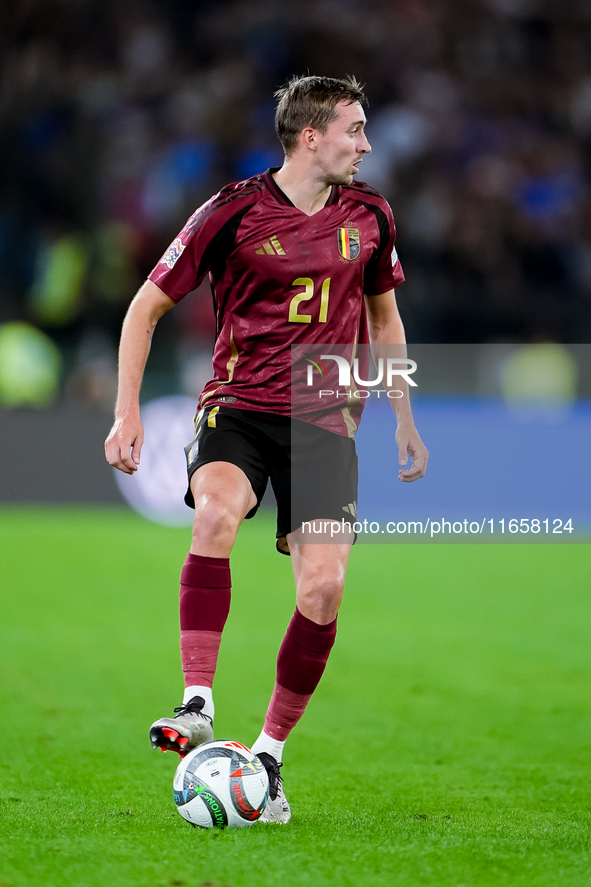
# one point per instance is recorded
(342, 146)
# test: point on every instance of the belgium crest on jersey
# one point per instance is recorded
(349, 242)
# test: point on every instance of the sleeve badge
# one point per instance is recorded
(173, 252)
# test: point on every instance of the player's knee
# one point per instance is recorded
(321, 594)
(214, 519)
(329, 588)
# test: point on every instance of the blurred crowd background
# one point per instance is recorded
(119, 117)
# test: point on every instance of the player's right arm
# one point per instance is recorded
(124, 443)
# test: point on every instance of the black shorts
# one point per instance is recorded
(313, 472)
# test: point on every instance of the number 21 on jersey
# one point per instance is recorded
(305, 296)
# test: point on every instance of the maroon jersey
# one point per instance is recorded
(281, 278)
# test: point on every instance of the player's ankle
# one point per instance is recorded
(273, 747)
(206, 694)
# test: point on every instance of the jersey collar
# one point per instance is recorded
(281, 197)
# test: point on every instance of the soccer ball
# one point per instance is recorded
(221, 784)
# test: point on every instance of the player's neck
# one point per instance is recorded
(308, 193)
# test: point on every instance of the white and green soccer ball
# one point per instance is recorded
(221, 784)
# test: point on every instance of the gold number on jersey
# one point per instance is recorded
(294, 317)
(308, 293)
(324, 301)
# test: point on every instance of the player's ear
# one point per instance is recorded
(309, 138)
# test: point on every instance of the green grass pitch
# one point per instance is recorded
(449, 743)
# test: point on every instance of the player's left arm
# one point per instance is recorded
(386, 330)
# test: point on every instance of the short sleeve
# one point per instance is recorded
(383, 271)
(188, 258)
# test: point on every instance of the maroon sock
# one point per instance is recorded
(204, 607)
(301, 662)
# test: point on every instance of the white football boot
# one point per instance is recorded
(188, 729)
(277, 809)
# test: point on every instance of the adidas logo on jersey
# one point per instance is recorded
(272, 247)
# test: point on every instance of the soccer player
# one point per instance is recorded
(297, 255)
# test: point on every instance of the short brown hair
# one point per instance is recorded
(311, 101)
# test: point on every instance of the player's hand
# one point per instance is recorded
(409, 443)
(124, 445)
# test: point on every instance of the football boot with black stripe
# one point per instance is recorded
(277, 809)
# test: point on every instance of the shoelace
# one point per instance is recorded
(191, 707)
(275, 779)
